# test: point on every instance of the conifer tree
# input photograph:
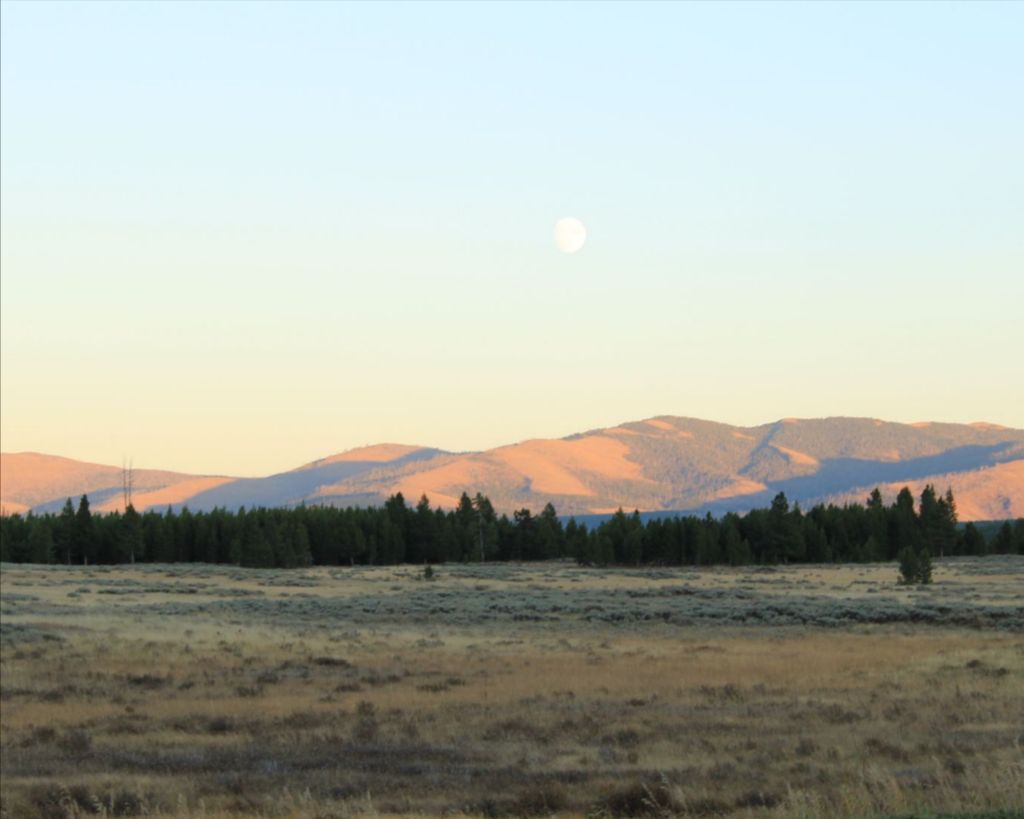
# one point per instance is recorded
(903, 522)
(524, 539)
(974, 540)
(924, 566)
(467, 527)
(64, 535)
(423, 532)
(132, 539)
(736, 550)
(908, 566)
(1018, 537)
(549, 533)
(487, 531)
(84, 534)
(1003, 543)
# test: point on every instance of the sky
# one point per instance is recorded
(236, 237)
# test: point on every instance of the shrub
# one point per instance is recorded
(75, 742)
(638, 799)
(367, 726)
(220, 725)
(924, 567)
(915, 567)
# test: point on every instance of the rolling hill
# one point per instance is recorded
(657, 465)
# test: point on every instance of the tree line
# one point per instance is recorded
(399, 533)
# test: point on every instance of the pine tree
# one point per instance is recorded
(400, 515)
(391, 546)
(783, 535)
(84, 534)
(16, 534)
(467, 528)
(1003, 543)
(299, 537)
(915, 566)
(257, 550)
(525, 536)
(576, 541)
(132, 542)
(487, 531)
(924, 566)
(878, 527)
(871, 551)
(974, 541)
(445, 545)
(550, 533)
(930, 518)
(735, 549)
(944, 532)
(908, 566)
(64, 535)
(40, 543)
(423, 532)
(5, 539)
(903, 523)
(1018, 536)
(634, 546)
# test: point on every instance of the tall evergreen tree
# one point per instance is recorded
(424, 531)
(903, 523)
(84, 533)
(974, 540)
(132, 537)
(784, 538)
(550, 533)
(524, 541)
(1003, 543)
(64, 533)
(466, 527)
(576, 541)
(931, 519)
(487, 531)
(16, 533)
(735, 550)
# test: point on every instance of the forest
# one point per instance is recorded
(399, 533)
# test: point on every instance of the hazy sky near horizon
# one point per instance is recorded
(236, 237)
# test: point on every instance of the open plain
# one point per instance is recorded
(197, 690)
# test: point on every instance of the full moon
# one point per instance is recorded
(569, 234)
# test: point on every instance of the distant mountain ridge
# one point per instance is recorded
(657, 465)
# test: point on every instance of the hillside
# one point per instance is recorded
(659, 464)
(30, 480)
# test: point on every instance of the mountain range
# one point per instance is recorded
(661, 464)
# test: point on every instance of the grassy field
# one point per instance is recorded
(499, 690)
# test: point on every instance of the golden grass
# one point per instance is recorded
(116, 703)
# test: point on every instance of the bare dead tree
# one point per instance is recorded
(127, 481)
(127, 485)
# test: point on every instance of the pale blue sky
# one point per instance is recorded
(236, 237)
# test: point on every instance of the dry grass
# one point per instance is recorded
(503, 690)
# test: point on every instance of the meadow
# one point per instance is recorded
(512, 690)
